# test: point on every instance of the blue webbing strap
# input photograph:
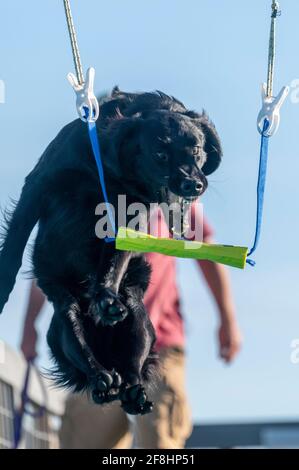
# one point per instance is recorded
(260, 190)
(19, 414)
(93, 135)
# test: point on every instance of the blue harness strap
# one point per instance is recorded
(93, 136)
(260, 190)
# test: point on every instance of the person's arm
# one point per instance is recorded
(218, 281)
(29, 337)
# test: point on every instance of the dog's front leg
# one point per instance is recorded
(106, 304)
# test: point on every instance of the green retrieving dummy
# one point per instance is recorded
(130, 240)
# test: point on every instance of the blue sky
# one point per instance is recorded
(210, 54)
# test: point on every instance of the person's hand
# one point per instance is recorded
(230, 340)
(28, 344)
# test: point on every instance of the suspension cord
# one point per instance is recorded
(264, 138)
(74, 42)
(89, 111)
(272, 48)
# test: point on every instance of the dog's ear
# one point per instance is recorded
(120, 145)
(124, 136)
(128, 139)
(212, 146)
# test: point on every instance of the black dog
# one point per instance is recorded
(153, 150)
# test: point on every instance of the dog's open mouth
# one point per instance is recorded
(185, 204)
(175, 210)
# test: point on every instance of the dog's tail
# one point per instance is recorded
(16, 231)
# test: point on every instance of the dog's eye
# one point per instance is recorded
(196, 150)
(162, 157)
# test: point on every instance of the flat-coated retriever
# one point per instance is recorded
(153, 151)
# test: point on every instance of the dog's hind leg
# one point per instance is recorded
(65, 372)
(17, 232)
(68, 344)
(135, 338)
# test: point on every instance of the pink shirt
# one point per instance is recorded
(162, 296)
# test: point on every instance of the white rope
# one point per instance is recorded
(272, 48)
(271, 104)
(86, 101)
(74, 42)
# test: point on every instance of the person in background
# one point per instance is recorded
(86, 425)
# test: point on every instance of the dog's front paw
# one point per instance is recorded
(134, 400)
(106, 387)
(107, 308)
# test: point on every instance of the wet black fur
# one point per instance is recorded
(147, 144)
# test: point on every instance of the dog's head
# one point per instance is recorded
(160, 150)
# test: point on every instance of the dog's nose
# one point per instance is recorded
(190, 187)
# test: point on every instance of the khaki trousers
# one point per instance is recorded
(89, 426)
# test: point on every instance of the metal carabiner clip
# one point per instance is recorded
(270, 111)
(86, 103)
